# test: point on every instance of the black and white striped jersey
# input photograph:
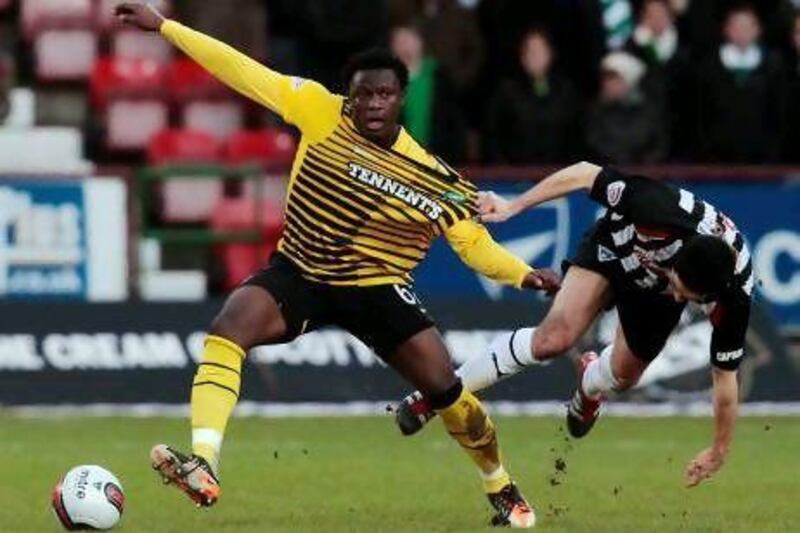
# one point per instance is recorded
(647, 223)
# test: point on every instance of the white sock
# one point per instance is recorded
(505, 356)
(599, 378)
(497, 474)
(211, 438)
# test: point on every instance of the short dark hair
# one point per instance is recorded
(705, 264)
(741, 7)
(375, 59)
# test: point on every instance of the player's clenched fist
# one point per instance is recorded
(143, 16)
(542, 279)
(494, 208)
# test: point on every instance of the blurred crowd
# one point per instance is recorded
(550, 81)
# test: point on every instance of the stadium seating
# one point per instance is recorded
(273, 149)
(129, 93)
(204, 103)
(38, 15)
(65, 46)
(175, 146)
(134, 44)
(190, 200)
(131, 123)
(65, 54)
(7, 68)
(116, 78)
(217, 117)
(241, 214)
(186, 200)
(22, 108)
(21, 152)
(189, 81)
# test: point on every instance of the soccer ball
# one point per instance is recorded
(88, 496)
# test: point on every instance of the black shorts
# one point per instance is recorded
(647, 318)
(381, 316)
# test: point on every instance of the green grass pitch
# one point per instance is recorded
(358, 474)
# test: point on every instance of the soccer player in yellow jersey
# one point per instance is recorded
(365, 202)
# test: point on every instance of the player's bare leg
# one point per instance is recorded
(426, 363)
(616, 369)
(249, 317)
(582, 297)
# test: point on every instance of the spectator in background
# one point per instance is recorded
(791, 145)
(533, 117)
(240, 23)
(655, 39)
(617, 21)
(624, 126)
(330, 32)
(668, 81)
(452, 36)
(588, 30)
(741, 96)
(430, 113)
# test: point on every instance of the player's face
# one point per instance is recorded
(657, 17)
(680, 292)
(377, 99)
(796, 33)
(536, 56)
(742, 28)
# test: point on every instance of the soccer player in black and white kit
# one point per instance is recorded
(655, 249)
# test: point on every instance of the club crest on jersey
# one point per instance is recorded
(422, 203)
(454, 197)
(614, 192)
(604, 255)
(297, 82)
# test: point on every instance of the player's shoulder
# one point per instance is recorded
(314, 109)
(409, 147)
(312, 93)
(412, 149)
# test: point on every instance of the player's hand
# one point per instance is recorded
(703, 466)
(542, 279)
(494, 208)
(143, 16)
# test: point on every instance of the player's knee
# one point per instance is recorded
(229, 327)
(552, 338)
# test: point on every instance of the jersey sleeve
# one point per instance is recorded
(644, 201)
(477, 249)
(730, 318)
(303, 103)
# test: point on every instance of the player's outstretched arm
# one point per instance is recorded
(581, 175)
(303, 103)
(473, 243)
(726, 405)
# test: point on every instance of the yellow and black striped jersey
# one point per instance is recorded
(356, 213)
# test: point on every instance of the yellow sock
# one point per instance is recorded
(215, 391)
(468, 423)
